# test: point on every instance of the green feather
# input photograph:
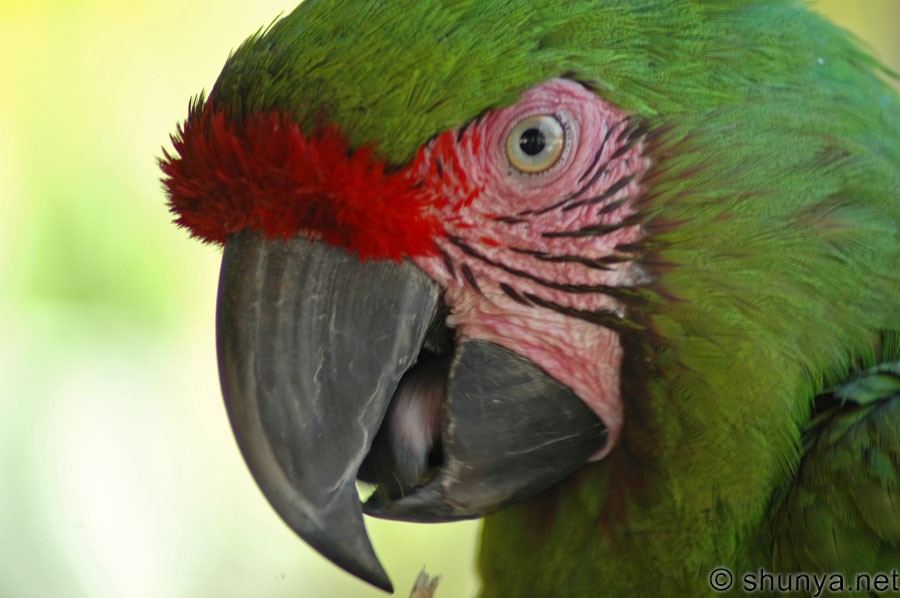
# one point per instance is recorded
(842, 511)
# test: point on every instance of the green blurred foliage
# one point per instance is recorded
(118, 474)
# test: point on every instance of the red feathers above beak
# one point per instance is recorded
(264, 174)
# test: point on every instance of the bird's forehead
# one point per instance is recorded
(390, 74)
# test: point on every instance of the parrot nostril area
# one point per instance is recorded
(407, 448)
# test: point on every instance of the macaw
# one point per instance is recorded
(622, 277)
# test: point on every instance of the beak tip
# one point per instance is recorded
(360, 561)
(380, 580)
(336, 531)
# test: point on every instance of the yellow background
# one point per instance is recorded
(118, 473)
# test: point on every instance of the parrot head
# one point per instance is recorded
(444, 223)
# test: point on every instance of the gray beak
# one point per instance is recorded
(336, 370)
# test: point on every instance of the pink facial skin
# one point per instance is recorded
(531, 261)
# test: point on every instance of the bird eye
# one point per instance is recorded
(535, 143)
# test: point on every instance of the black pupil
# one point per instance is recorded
(532, 141)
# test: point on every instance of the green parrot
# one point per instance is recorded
(622, 277)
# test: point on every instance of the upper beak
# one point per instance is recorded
(335, 370)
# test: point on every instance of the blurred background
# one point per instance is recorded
(118, 473)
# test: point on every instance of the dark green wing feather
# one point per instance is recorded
(842, 514)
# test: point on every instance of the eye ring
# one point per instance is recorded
(536, 143)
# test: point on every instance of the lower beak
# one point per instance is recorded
(336, 370)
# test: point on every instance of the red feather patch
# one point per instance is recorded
(264, 174)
